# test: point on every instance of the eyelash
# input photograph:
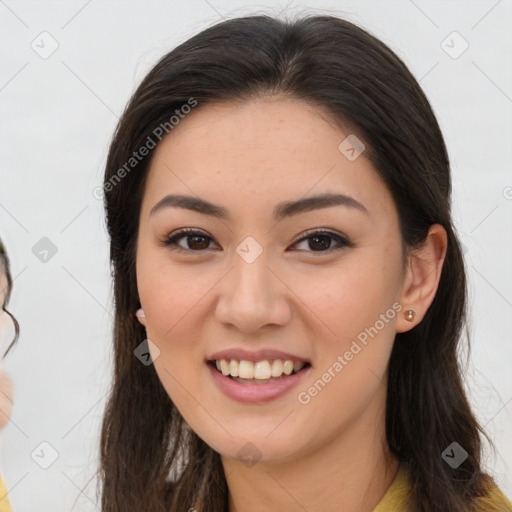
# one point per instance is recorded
(171, 241)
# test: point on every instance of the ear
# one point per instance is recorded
(141, 317)
(422, 276)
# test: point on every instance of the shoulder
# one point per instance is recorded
(493, 501)
(396, 498)
(5, 505)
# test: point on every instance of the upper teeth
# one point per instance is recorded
(257, 370)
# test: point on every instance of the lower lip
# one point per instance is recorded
(256, 392)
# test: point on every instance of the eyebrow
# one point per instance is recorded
(281, 210)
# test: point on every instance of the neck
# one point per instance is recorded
(351, 472)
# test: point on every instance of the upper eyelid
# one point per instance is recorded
(178, 235)
(308, 232)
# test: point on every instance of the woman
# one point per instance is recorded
(6, 386)
(278, 202)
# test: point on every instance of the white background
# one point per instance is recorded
(56, 120)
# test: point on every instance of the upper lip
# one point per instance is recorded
(256, 355)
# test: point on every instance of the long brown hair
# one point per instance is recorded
(149, 461)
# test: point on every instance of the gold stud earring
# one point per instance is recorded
(409, 315)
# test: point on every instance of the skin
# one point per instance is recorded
(329, 454)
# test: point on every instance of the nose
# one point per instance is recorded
(253, 295)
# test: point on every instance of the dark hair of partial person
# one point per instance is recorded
(5, 269)
(149, 460)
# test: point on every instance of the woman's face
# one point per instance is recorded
(253, 283)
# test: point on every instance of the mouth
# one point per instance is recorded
(258, 372)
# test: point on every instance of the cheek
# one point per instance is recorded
(174, 298)
(169, 297)
(168, 292)
(352, 363)
(355, 306)
(347, 299)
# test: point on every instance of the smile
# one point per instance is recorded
(257, 381)
(258, 372)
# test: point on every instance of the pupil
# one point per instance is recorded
(325, 239)
(196, 237)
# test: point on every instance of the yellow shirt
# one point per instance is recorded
(396, 497)
(5, 505)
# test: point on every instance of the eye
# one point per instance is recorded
(197, 241)
(320, 241)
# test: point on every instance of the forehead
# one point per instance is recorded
(238, 129)
(266, 148)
